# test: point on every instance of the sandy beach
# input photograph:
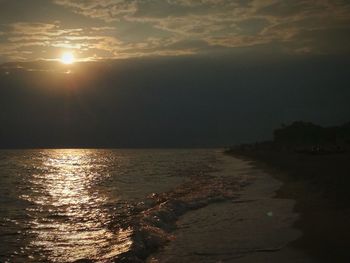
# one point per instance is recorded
(258, 226)
(319, 185)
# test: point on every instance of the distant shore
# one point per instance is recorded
(320, 186)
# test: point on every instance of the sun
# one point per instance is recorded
(67, 58)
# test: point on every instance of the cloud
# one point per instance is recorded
(220, 22)
(53, 37)
(107, 10)
(122, 28)
(46, 41)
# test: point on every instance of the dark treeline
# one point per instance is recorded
(305, 137)
(301, 133)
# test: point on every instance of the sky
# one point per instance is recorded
(170, 73)
(114, 29)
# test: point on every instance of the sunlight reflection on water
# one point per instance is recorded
(76, 226)
(65, 205)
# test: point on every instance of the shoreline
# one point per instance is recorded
(324, 212)
(255, 227)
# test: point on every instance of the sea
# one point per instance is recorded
(102, 205)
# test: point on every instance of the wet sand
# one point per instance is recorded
(255, 227)
(319, 184)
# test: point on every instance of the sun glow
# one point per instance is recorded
(67, 58)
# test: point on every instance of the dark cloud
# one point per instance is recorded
(168, 102)
(287, 8)
(252, 26)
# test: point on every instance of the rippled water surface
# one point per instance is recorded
(57, 205)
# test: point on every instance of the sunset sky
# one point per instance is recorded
(198, 72)
(114, 29)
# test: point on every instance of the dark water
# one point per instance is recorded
(65, 205)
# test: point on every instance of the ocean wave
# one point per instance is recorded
(153, 220)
